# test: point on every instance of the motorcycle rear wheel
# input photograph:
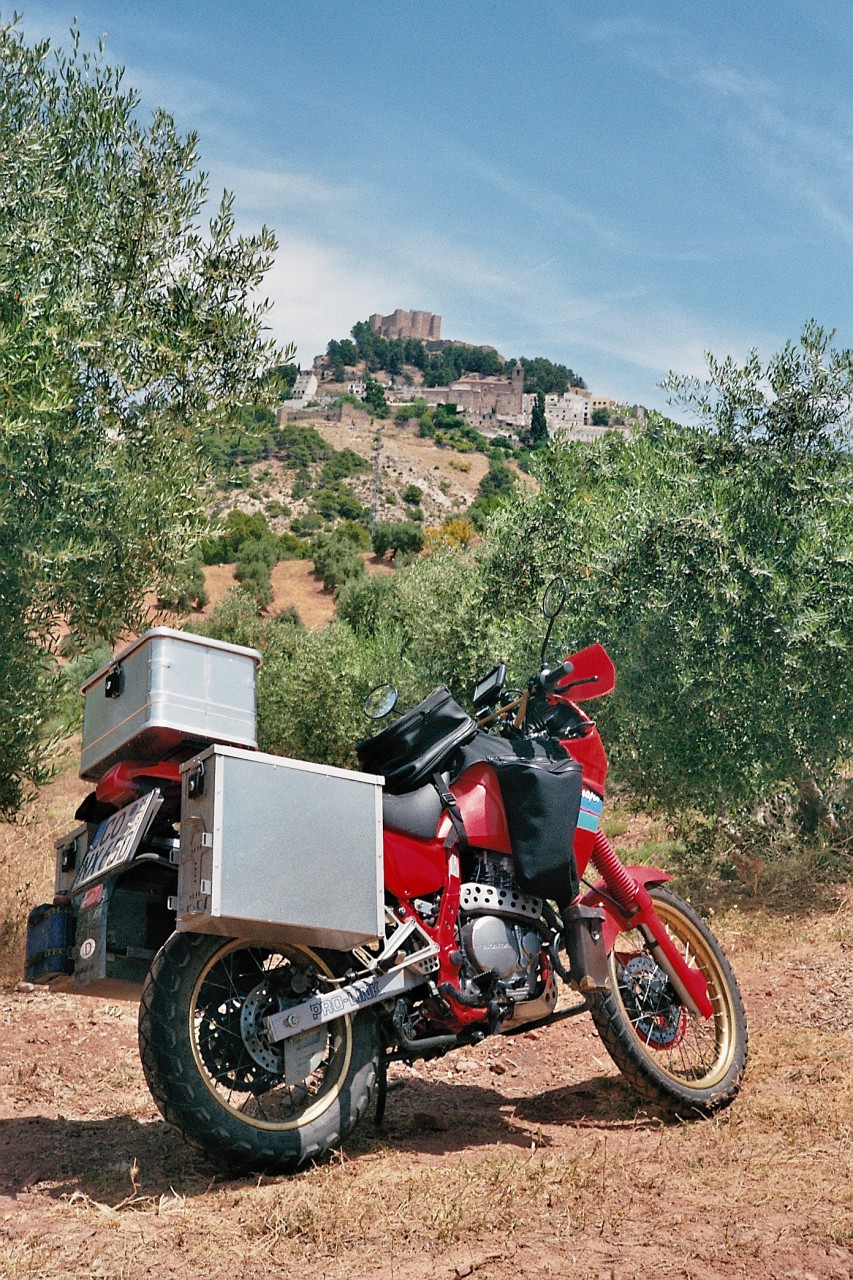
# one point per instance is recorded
(216, 1078)
(671, 1056)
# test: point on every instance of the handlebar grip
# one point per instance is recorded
(553, 677)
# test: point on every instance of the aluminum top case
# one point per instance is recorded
(168, 692)
(278, 850)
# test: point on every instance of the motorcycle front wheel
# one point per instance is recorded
(213, 1072)
(670, 1055)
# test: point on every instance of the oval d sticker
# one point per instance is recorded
(87, 949)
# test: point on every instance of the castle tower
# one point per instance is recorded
(517, 381)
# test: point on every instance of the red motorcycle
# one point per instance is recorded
(265, 1050)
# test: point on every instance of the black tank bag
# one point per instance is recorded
(541, 792)
(412, 749)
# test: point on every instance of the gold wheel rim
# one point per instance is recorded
(339, 1036)
(702, 1055)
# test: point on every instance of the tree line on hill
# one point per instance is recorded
(441, 367)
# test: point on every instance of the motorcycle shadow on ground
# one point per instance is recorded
(441, 1117)
(60, 1158)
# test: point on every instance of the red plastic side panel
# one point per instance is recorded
(591, 756)
(412, 866)
(479, 797)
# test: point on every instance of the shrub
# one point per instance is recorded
(299, 446)
(336, 559)
(417, 409)
(454, 532)
(292, 548)
(399, 537)
(496, 486)
(266, 551)
(367, 603)
(337, 500)
(274, 509)
(307, 524)
(254, 578)
(341, 464)
(355, 533)
(239, 527)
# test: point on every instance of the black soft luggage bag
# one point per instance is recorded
(541, 791)
(414, 747)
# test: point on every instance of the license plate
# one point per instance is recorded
(116, 840)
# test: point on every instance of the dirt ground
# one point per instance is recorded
(523, 1157)
(294, 582)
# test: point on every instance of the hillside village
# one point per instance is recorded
(378, 445)
(492, 404)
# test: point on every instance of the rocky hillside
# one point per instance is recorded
(448, 479)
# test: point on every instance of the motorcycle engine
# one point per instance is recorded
(498, 922)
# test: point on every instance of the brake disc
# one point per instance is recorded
(658, 1019)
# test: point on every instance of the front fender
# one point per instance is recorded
(687, 980)
(614, 921)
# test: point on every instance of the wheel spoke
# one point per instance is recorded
(681, 1053)
(242, 1069)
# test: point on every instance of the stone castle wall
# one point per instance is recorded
(480, 397)
(407, 324)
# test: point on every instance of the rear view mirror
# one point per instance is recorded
(380, 702)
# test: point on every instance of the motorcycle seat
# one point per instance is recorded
(415, 813)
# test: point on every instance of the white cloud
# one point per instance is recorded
(812, 161)
(799, 147)
(545, 203)
(269, 190)
(632, 326)
(318, 292)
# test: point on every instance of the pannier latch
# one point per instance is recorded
(68, 856)
(195, 782)
(114, 682)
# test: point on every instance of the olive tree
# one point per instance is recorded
(715, 561)
(125, 325)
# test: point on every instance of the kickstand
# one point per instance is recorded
(381, 1091)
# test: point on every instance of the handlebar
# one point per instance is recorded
(547, 680)
(544, 682)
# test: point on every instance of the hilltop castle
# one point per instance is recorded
(407, 324)
(491, 403)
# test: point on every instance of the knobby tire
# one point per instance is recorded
(668, 1055)
(186, 1056)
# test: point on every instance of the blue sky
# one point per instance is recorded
(619, 187)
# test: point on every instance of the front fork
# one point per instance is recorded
(627, 904)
